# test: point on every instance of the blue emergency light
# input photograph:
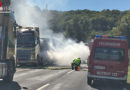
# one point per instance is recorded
(98, 36)
(116, 37)
(123, 37)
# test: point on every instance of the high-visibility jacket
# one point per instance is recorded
(77, 61)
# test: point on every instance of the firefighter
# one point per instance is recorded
(76, 62)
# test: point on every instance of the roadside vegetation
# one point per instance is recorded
(83, 25)
(128, 80)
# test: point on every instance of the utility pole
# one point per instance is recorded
(46, 7)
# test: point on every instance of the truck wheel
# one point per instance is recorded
(10, 71)
(89, 81)
(9, 77)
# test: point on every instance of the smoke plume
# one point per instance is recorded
(59, 49)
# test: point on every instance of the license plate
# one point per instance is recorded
(103, 73)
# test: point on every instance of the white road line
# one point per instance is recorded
(26, 73)
(19, 70)
(69, 72)
(44, 86)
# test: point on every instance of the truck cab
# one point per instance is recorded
(28, 45)
(108, 59)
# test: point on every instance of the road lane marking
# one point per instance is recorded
(69, 72)
(18, 70)
(44, 86)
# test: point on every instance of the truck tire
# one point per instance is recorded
(9, 77)
(89, 81)
(10, 71)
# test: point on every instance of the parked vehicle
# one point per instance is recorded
(7, 45)
(108, 59)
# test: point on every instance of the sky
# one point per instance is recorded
(66, 5)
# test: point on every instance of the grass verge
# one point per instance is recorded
(128, 78)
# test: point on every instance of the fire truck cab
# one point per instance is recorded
(108, 59)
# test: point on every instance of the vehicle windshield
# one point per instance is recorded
(112, 54)
(25, 41)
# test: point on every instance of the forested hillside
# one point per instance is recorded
(82, 25)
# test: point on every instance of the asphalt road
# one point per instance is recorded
(66, 79)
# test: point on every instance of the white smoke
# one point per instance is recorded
(30, 16)
(61, 50)
(66, 50)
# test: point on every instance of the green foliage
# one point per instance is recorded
(124, 26)
(82, 25)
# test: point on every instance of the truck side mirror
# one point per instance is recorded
(15, 29)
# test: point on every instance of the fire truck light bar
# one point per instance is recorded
(116, 37)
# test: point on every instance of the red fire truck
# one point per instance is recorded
(108, 59)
